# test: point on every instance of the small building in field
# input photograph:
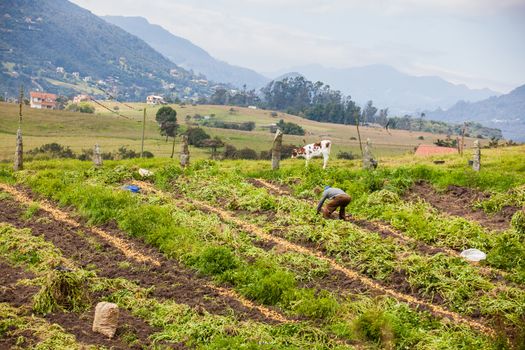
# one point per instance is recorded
(433, 150)
(42, 100)
(155, 100)
(81, 98)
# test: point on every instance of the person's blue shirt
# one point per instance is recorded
(329, 193)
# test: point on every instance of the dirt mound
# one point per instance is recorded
(459, 201)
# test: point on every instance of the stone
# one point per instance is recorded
(106, 319)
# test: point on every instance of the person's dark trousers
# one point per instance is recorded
(341, 201)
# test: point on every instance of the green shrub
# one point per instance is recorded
(266, 285)
(375, 325)
(216, 260)
(306, 303)
(345, 155)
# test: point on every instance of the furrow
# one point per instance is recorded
(349, 273)
(398, 236)
(132, 254)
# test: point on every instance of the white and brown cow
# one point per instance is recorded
(312, 150)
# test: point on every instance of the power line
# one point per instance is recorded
(114, 98)
(109, 109)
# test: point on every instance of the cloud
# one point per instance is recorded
(417, 36)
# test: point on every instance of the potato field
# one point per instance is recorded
(232, 255)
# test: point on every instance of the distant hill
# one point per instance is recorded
(506, 112)
(186, 54)
(40, 37)
(387, 87)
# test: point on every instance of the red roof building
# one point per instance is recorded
(431, 150)
(43, 100)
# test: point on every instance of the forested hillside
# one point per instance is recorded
(56, 46)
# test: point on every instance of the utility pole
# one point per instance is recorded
(143, 131)
(19, 153)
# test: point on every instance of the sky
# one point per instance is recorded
(479, 43)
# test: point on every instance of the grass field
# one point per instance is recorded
(231, 255)
(82, 131)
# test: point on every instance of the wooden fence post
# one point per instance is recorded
(276, 149)
(19, 153)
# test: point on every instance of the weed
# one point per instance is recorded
(216, 260)
(62, 290)
(31, 210)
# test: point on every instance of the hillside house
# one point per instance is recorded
(155, 100)
(432, 150)
(81, 98)
(42, 100)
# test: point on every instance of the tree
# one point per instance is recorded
(369, 112)
(421, 116)
(290, 128)
(196, 136)
(166, 118)
(213, 144)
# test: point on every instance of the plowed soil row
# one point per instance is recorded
(170, 279)
(459, 201)
(20, 296)
(385, 230)
(348, 273)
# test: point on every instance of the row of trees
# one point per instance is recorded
(317, 101)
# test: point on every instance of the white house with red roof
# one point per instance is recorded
(42, 100)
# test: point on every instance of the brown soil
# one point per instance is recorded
(273, 187)
(129, 326)
(170, 279)
(10, 292)
(79, 325)
(459, 201)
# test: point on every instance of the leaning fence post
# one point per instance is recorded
(276, 149)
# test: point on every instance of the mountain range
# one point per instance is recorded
(505, 112)
(57, 46)
(387, 87)
(186, 54)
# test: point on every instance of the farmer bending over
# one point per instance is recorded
(337, 198)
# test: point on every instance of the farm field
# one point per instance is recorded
(229, 254)
(81, 131)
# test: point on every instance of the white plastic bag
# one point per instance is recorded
(145, 172)
(473, 254)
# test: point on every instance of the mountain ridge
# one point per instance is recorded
(184, 53)
(505, 112)
(388, 87)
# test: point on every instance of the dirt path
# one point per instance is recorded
(170, 279)
(459, 201)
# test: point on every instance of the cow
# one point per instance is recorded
(317, 149)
